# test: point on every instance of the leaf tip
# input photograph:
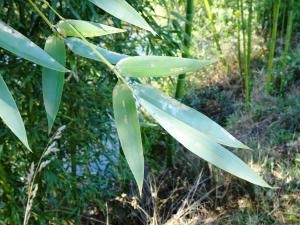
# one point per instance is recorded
(26, 144)
(140, 187)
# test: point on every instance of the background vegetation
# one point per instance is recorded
(253, 91)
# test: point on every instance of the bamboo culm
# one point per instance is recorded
(239, 54)
(288, 36)
(180, 89)
(181, 80)
(269, 78)
(215, 34)
(248, 57)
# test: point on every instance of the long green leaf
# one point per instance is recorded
(18, 44)
(86, 28)
(123, 11)
(10, 114)
(197, 142)
(159, 66)
(78, 47)
(128, 128)
(188, 115)
(53, 81)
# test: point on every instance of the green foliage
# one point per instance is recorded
(69, 186)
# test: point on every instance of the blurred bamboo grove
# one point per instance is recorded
(84, 121)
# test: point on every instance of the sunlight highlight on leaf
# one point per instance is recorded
(86, 28)
(159, 66)
(123, 11)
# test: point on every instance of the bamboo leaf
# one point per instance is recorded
(188, 115)
(10, 114)
(53, 81)
(123, 11)
(18, 44)
(198, 143)
(86, 28)
(78, 47)
(128, 128)
(158, 66)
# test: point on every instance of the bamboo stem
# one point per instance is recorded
(269, 78)
(100, 56)
(180, 89)
(239, 40)
(288, 36)
(215, 34)
(248, 58)
(243, 36)
(181, 80)
(42, 15)
(283, 22)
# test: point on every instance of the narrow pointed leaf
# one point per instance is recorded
(128, 128)
(53, 81)
(201, 145)
(20, 45)
(86, 28)
(188, 115)
(159, 66)
(10, 114)
(78, 47)
(123, 11)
